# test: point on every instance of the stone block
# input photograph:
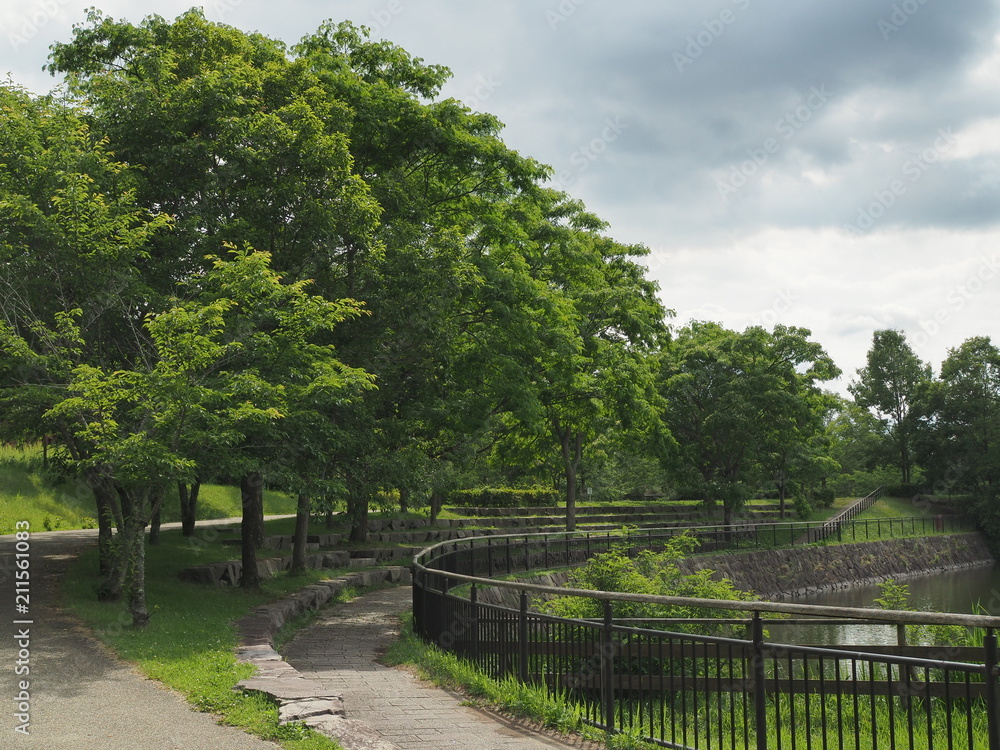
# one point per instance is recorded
(353, 735)
(310, 708)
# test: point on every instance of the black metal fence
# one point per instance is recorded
(681, 689)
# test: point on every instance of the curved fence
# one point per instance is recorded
(676, 686)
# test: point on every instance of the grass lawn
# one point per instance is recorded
(190, 643)
(25, 495)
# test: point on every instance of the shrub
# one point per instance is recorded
(803, 508)
(505, 497)
(648, 572)
(823, 497)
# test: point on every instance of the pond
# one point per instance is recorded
(963, 591)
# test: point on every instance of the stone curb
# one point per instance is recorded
(300, 699)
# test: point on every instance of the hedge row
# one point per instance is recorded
(505, 497)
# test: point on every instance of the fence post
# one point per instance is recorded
(522, 639)
(608, 668)
(993, 721)
(474, 622)
(759, 687)
(417, 591)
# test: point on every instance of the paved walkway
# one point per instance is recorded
(341, 650)
(81, 697)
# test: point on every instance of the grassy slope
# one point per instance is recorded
(26, 496)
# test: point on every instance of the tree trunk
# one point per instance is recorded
(252, 529)
(189, 505)
(301, 534)
(781, 497)
(135, 511)
(435, 506)
(357, 511)
(572, 452)
(105, 497)
(154, 519)
(404, 499)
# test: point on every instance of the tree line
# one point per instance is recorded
(227, 259)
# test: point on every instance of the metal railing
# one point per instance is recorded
(833, 525)
(680, 688)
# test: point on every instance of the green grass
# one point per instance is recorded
(26, 494)
(897, 507)
(507, 695)
(190, 642)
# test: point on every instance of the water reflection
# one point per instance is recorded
(955, 591)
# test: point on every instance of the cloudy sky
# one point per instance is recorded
(828, 165)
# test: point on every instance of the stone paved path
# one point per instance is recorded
(340, 651)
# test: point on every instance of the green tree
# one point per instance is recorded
(888, 384)
(71, 242)
(858, 438)
(736, 401)
(959, 416)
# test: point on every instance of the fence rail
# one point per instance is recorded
(681, 688)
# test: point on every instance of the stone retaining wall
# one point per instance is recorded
(800, 570)
(785, 573)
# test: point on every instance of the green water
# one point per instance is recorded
(955, 591)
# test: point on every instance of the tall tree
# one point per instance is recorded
(71, 242)
(888, 384)
(735, 400)
(959, 415)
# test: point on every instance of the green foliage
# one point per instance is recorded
(889, 383)
(893, 595)
(647, 572)
(803, 508)
(505, 497)
(745, 409)
(823, 497)
(860, 483)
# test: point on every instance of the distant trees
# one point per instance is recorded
(742, 407)
(889, 384)
(958, 417)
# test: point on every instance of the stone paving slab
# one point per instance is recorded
(340, 651)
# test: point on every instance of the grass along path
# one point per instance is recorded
(190, 642)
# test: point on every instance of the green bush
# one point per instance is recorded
(803, 508)
(505, 497)
(648, 572)
(823, 497)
